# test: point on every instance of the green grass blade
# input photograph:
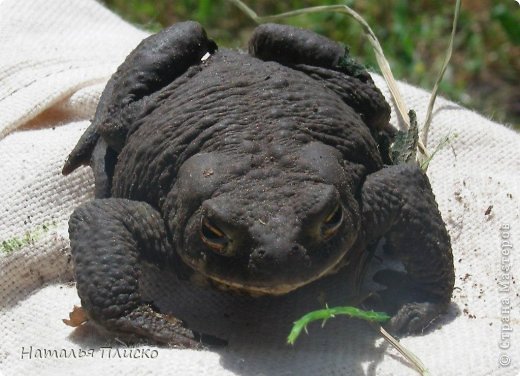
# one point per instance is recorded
(327, 313)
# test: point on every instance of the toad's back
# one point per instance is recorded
(236, 104)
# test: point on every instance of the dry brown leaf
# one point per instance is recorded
(77, 317)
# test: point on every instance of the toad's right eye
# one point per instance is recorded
(332, 222)
(212, 236)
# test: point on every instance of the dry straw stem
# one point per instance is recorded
(380, 56)
(428, 120)
(411, 357)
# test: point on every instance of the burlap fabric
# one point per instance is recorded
(55, 58)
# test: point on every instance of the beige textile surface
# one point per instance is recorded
(55, 58)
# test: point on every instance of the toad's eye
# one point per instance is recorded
(212, 236)
(332, 222)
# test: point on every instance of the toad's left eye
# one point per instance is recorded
(332, 222)
(212, 236)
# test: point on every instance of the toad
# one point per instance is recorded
(260, 172)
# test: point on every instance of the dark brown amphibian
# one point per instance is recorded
(259, 171)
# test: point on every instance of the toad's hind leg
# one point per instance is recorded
(289, 45)
(109, 238)
(155, 63)
(326, 61)
(398, 204)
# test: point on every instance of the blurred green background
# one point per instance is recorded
(484, 73)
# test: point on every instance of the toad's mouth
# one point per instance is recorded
(273, 287)
(276, 289)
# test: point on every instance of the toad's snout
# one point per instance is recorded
(278, 252)
(281, 255)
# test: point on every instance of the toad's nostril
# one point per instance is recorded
(262, 256)
(298, 255)
(260, 252)
(297, 251)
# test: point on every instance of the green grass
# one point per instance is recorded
(328, 313)
(29, 237)
(485, 69)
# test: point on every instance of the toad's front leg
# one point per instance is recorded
(398, 204)
(109, 238)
